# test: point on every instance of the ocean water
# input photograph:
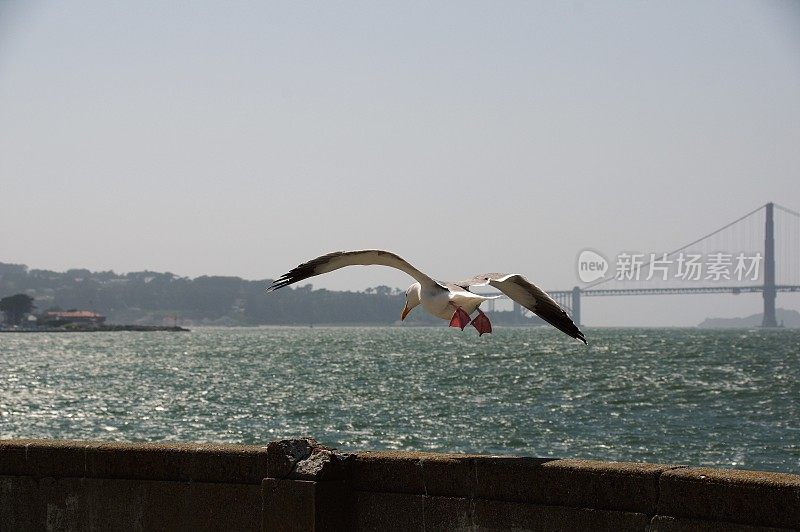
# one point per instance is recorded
(698, 397)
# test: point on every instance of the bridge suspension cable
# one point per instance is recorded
(787, 210)
(684, 247)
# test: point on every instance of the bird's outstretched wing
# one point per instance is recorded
(530, 296)
(340, 259)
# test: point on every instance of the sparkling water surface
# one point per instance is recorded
(700, 397)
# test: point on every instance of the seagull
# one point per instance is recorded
(450, 301)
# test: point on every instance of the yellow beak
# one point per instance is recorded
(406, 310)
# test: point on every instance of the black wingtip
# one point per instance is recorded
(276, 284)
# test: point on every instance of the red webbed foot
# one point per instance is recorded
(460, 319)
(482, 323)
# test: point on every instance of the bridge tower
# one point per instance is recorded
(576, 305)
(769, 269)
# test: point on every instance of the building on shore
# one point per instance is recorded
(79, 317)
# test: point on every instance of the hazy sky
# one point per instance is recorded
(243, 138)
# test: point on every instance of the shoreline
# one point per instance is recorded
(100, 328)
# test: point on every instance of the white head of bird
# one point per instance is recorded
(413, 295)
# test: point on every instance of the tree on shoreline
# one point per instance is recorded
(15, 307)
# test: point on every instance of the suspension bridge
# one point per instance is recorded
(758, 252)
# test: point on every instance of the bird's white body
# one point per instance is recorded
(442, 304)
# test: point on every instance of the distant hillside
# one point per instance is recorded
(153, 298)
(789, 318)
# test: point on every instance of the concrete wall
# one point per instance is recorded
(299, 485)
